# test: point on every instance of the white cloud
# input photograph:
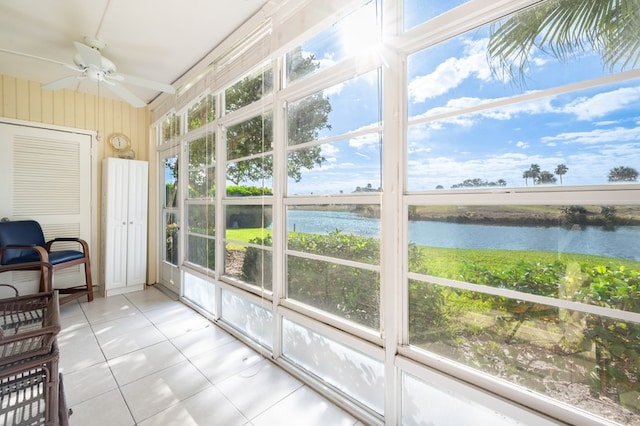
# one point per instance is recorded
(523, 145)
(538, 106)
(364, 141)
(603, 103)
(453, 71)
(597, 136)
(329, 150)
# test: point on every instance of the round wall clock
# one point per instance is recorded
(119, 141)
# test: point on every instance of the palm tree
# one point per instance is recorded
(623, 174)
(526, 175)
(566, 28)
(534, 172)
(546, 177)
(561, 170)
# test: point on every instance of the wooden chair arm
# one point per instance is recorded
(83, 243)
(42, 252)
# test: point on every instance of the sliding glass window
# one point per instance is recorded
(249, 182)
(521, 236)
(201, 184)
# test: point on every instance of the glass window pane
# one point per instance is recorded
(419, 11)
(172, 238)
(579, 355)
(202, 151)
(171, 128)
(479, 116)
(201, 113)
(355, 34)
(508, 147)
(250, 89)
(353, 372)
(533, 249)
(201, 251)
(340, 167)
(580, 253)
(250, 177)
(202, 183)
(201, 219)
(345, 291)
(253, 136)
(199, 291)
(253, 320)
(331, 112)
(349, 232)
(248, 228)
(171, 175)
(426, 402)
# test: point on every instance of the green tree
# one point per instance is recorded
(478, 183)
(534, 172)
(255, 136)
(546, 177)
(561, 170)
(623, 174)
(565, 29)
(526, 175)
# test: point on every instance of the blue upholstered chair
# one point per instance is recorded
(22, 242)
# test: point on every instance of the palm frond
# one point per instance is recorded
(565, 29)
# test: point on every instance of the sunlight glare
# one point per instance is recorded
(358, 32)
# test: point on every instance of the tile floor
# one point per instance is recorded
(145, 359)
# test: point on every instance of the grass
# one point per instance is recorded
(245, 235)
(446, 262)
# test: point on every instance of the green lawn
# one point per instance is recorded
(245, 235)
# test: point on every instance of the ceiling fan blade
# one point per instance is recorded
(125, 94)
(27, 55)
(63, 82)
(89, 55)
(143, 82)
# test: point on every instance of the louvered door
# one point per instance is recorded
(45, 175)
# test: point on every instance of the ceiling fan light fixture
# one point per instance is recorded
(94, 43)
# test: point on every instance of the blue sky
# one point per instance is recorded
(591, 131)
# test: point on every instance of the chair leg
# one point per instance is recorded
(46, 277)
(88, 281)
(82, 289)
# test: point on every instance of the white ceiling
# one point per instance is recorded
(156, 40)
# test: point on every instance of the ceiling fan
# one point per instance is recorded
(89, 64)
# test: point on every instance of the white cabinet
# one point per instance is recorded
(124, 224)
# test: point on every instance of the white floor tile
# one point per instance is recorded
(150, 299)
(246, 390)
(107, 329)
(185, 323)
(72, 316)
(207, 408)
(130, 341)
(165, 357)
(170, 313)
(201, 341)
(108, 409)
(304, 407)
(158, 391)
(108, 309)
(79, 349)
(81, 385)
(136, 365)
(225, 361)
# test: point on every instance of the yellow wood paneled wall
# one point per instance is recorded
(25, 100)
